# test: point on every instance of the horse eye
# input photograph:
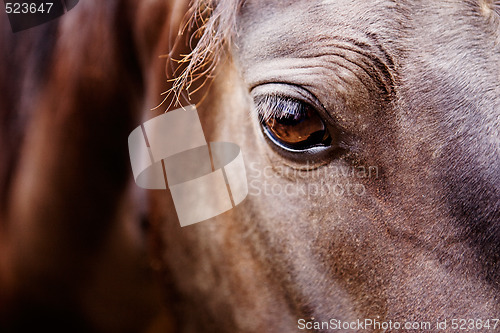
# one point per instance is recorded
(291, 124)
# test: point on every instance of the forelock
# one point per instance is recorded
(212, 23)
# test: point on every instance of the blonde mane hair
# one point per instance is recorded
(212, 24)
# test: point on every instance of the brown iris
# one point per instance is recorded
(294, 125)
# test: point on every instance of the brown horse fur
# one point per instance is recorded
(411, 89)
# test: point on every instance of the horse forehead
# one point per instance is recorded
(274, 28)
(300, 30)
(303, 21)
(304, 15)
(346, 6)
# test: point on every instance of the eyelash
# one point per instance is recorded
(276, 106)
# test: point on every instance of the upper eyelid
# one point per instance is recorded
(286, 90)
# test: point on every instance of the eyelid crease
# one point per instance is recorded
(277, 106)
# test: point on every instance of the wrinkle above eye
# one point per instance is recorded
(366, 51)
(369, 56)
(321, 69)
(359, 60)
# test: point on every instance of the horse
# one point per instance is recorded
(370, 134)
